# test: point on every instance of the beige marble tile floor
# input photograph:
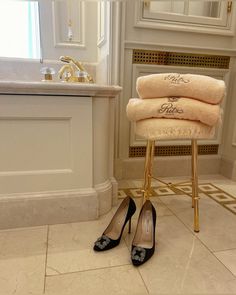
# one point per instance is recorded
(58, 259)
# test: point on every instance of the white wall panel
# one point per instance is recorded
(64, 13)
(53, 39)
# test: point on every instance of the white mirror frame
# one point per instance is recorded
(168, 24)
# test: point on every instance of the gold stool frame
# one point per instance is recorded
(148, 178)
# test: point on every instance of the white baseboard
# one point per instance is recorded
(65, 206)
(228, 168)
(104, 193)
(114, 184)
(107, 193)
(32, 209)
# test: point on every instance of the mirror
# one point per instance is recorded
(204, 8)
(19, 29)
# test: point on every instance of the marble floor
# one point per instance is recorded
(59, 260)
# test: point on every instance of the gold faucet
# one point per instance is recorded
(74, 71)
(67, 72)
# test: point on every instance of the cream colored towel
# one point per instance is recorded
(172, 84)
(158, 129)
(173, 107)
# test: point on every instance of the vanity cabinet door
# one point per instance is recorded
(46, 143)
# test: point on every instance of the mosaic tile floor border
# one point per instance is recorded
(218, 195)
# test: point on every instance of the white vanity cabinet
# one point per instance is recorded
(56, 152)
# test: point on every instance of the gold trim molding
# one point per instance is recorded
(153, 57)
(173, 150)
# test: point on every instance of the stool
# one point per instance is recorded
(154, 129)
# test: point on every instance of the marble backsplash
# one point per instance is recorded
(29, 70)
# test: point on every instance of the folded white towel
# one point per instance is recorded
(173, 84)
(161, 129)
(173, 107)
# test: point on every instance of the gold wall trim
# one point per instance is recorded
(173, 150)
(151, 57)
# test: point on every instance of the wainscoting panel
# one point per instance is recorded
(33, 145)
(46, 143)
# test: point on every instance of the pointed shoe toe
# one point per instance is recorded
(104, 243)
(112, 235)
(140, 255)
(143, 245)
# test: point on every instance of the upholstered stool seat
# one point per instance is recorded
(171, 129)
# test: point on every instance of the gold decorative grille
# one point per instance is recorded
(173, 150)
(180, 59)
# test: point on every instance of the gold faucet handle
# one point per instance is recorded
(90, 79)
(48, 73)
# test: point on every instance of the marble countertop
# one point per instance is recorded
(58, 88)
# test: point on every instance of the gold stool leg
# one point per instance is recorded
(192, 179)
(148, 170)
(195, 198)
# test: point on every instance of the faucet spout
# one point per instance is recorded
(67, 71)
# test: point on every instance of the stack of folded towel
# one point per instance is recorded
(188, 97)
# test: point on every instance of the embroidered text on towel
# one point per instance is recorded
(176, 79)
(169, 109)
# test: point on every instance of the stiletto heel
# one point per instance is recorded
(129, 231)
(112, 235)
(143, 245)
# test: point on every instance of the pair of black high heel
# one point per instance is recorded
(143, 245)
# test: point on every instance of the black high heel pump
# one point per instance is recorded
(112, 235)
(143, 245)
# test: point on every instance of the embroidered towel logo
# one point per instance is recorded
(176, 79)
(169, 109)
(173, 98)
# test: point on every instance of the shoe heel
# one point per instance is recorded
(129, 230)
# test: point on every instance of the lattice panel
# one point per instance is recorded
(180, 59)
(173, 150)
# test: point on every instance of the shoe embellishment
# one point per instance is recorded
(138, 254)
(102, 242)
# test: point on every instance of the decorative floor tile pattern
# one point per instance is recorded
(221, 197)
(59, 259)
(231, 207)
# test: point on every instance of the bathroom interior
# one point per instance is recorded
(70, 157)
